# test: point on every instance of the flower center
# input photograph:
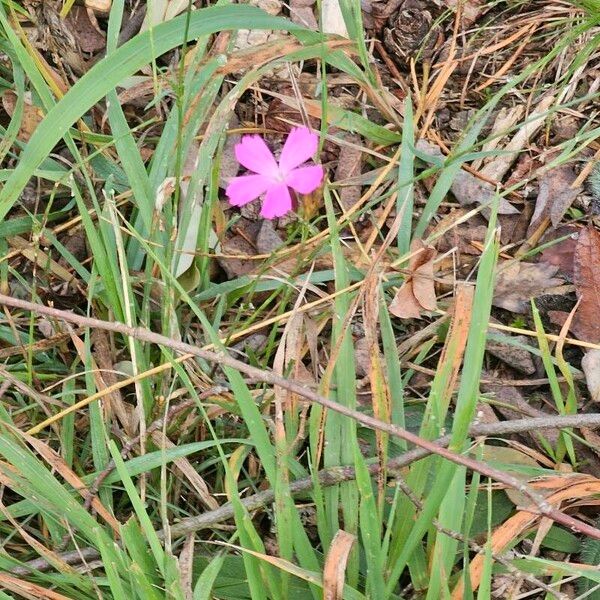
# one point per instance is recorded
(279, 176)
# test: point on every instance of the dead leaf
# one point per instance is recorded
(555, 196)
(590, 364)
(236, 267)
(471, 10)
(31, 117)
(561, 254)
(582, 488)
(510, 457)
(586, 277)
(349, 165)
(497, 168)
(417, 293)
(335, 565)
(517, 282)
(101, 7)
(466, 188)
(332, 18)
(517, 358)
(302, 13)
(85, 30)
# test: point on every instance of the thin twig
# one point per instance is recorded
(333, 476)
(222, 358)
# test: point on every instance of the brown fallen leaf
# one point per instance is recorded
(555, 196)
(517, 282)
(471, 10)
(586, 277)
(349, 165)
(84, 27)
(302, 12)
(561, 254)
(517, 358)
(466, 188)
(31, 117)
(417, 293)
(101, 7)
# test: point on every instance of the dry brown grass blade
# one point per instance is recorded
(28, 590)
(114, 400)
(576, 488)
(271, 378)
(55, 461)
(185, 466)
(335, 565)
(379, 389)
(456, 342)
(51, 558)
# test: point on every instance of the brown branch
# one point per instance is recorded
(139, 333)
(328, 477)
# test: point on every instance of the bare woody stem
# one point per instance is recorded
(222, 358)
(328, 477)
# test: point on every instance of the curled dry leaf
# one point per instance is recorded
(518, 282)
(555, 196)
(590, 364)
(335, 565)
(586, 277)
(417, 293)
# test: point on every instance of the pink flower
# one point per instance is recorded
(274, 179)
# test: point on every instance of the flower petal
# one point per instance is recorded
(277, 202)
(305, 179)
(246, 188)
(254, 154)
(300, 145)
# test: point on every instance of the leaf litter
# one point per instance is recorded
(413, 41)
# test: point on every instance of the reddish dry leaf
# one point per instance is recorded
(335, 565)
(561, 254)
(555, 196)
(417, 293)
(586, 324)
(518, 282)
